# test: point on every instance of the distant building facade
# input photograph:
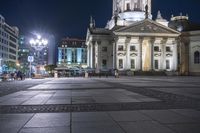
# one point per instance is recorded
(72, 53)
(23, 53)
(189, 48)
(9, 37)
(133, 42)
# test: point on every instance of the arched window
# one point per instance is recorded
(197, 57)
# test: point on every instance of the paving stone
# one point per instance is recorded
(59, 101)
(96, 127)
(14, 101)
(49, 120)
(11, 123)
(126, 100)
(15, 86)
(144, 127)
(194, 114)
(102, 99)
(46, 130)
(128, 116)
(9, 129)
(137, 104)
(167, 116)
(91, 117)
(186, 128)
(79, 100)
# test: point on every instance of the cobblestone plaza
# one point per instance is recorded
(101, 105)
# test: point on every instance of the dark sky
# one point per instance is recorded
(71, 18)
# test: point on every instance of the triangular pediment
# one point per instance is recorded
(146, 26)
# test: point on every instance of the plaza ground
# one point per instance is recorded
(101, 105)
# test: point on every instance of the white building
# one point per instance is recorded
(189, 51)
(8, 43)
(129, 11)
(132, 41)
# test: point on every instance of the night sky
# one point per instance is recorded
(71, 18)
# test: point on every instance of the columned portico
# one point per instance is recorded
(146, 50)
(140, 53)
(91, 55)
(97, 62)
(88, 55)
(175, 56)
(114, 55)
(143, 46)
(146, 55)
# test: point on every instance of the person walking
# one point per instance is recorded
(116, 73)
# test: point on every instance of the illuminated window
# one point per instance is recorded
(104, 63)
(121, 64)
(120, 48)
(167, 64)
(197, 57)
(156, 64)
(132, 48)
(132, 64)
(168, 49)
(156, 49)
(104, 49)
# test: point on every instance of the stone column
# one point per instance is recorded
(140, 53)
(88, 55)
(152, 54)
(146, 54)
(114, 55)
(175, 56)
(91, 55)
(97, 56)
(127, 56)
(163, 57)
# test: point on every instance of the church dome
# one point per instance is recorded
(126, 12)
(131, 10)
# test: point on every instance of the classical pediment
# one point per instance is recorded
(146, 26)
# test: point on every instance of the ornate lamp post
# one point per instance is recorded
(38, 43)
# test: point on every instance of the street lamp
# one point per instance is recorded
(18, 65)
(38, 43)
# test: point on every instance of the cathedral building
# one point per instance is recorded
(189, 44)
(133, 42)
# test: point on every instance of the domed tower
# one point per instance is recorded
(126, 12)
(131, 5)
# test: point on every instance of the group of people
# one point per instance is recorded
(18, 75)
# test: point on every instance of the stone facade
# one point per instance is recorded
(9, 43)
(126, 12)
(72, 52)
(189, 53)
(144, 45)
(189, 44)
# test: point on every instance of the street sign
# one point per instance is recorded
(30, 58)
